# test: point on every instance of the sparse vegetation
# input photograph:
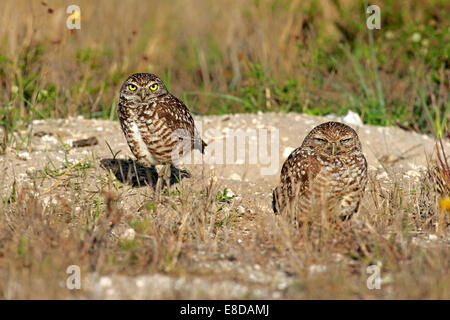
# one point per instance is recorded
(40, 238)
(314, 57)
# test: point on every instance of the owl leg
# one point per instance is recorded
(160, 171)
(163, 177)
(166, 175)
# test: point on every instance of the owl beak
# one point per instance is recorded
(333, 148)
(143, 93)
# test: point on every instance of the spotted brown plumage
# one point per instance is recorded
(327, 172)
(155, 123)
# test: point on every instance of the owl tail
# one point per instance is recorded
(275, 200)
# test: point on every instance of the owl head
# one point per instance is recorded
(331, 139)
(142, 88)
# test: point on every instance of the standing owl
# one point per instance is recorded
(156, 124)
(328, 172)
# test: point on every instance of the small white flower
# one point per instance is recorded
(416, 37)
(389, 35)
(230, 194)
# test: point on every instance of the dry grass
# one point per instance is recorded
(198, 232)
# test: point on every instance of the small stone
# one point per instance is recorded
(382, 175)
(129, 234)
(413, 173)
(23, 156)
(352, 118)
(282, 285)
(317, 268)
(240, 209)
(287, 151)
(50, 139)
(140, 283)
(105, 282)
(235, 176)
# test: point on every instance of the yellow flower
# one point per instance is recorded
(444, 203)
(75, 15)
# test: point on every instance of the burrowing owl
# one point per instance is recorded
(327, 172)
(155, 123)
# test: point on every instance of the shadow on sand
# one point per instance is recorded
(132, 173)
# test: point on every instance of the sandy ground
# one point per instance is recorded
(392, 154)
(390, 151)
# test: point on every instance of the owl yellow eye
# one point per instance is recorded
(132, 87)
(154, 86)
(321, 140)
(346, 140)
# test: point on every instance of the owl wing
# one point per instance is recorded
(298, 171)
(176, 116)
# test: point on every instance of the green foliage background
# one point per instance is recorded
(316, 57)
